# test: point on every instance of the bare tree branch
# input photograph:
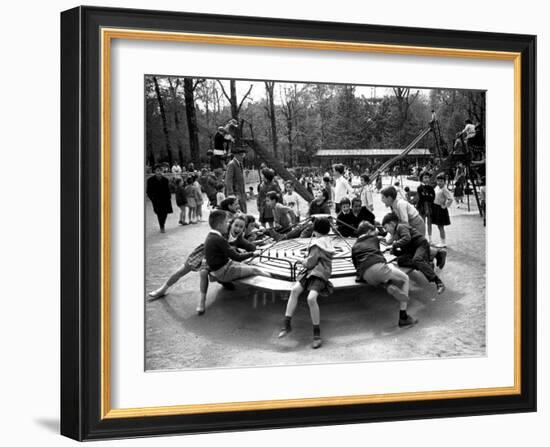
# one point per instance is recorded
(198, 82)
(414, 97)
(224, 92)
(244, 98)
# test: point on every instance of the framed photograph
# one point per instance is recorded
(274, 223)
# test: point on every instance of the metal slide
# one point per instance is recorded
(395, 159)
(270, 160)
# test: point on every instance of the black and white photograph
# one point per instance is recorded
(292, 223)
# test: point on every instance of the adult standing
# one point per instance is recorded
(158, 191)
(217, 160)
(234, 177)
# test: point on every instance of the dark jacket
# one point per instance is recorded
(366, 252)
(265, 211)
(234, 182)
(426, 196)
(209, 187)
(241, 242)
(158, 191)
(220, 142)
(181, 199)
(406, 239)
(345, 221)
(315, 208)
(217, 252)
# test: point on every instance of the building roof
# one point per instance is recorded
(417, 152)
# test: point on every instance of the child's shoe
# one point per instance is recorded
(317, 342)
(440, 258)
(284, 332)
(407, 322)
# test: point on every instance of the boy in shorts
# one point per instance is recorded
(224, 262)
(372, 268)
(412, 249)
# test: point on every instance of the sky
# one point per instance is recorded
(258, 90)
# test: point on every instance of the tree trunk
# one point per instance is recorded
(235, 106)
(163, 117)
(404, 101)
(150, 155)
(189, 95)
(233, 100)
(177, 121)
(289, 126)
(269, 87)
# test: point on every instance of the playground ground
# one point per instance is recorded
(357, 326)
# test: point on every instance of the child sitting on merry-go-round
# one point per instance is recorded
(196, 261)
(373, 269)
(313, 278)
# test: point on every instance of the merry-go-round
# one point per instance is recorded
(282, 259)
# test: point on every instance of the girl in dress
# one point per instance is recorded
(426, 195)
(220, 196)
(198, 198)
(194, 263)
(191, 199)
(313, 278)
(440, 212)
(460, 179)
(181, 200)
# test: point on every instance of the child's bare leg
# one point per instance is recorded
(442, 232)
(174, 278)
(314, 307)
(295, 292)
(260, 272)
(315, 318)
(203, 274)
(398, 287)
(182, 214)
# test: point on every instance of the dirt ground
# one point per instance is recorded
(239, 328)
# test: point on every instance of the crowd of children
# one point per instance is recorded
(234, 236)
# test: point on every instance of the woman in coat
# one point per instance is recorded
(158, 191)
